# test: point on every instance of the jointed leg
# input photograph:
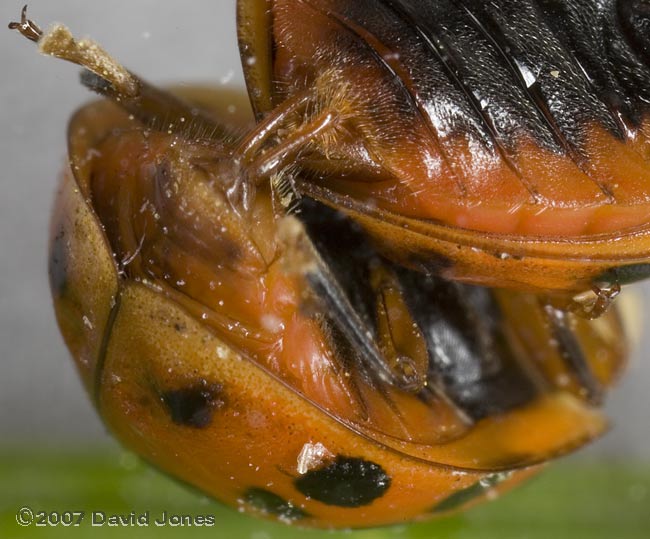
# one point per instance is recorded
(103, 74)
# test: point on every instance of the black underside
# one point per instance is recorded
(470, 356)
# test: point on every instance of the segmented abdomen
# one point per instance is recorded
(506, 116)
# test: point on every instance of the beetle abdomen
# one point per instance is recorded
(511, 117)
(165, 218)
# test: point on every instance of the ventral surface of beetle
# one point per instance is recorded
(258, 346)
(500, 143)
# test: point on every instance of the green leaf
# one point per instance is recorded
(573, 499)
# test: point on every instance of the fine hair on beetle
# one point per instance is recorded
(271, 309)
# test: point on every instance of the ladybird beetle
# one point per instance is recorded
(281, 364)
(501, 143)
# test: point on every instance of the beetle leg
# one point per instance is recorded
(604, 297)
(590, 304)
(290, 125)
(593, 304)
(396, 350)
(250, 146)
(570, 350)
(103, 74)
(256, 165)
(160, 110)
(59, 42)
(291, 145)
(399, 337)
(303, 257)
(271, 164)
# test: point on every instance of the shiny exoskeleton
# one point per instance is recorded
(327, 387)
(502, 143)
(255, 343)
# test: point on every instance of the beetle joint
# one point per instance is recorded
(593, 304)
(27, 27)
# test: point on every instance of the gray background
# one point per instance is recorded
(40, 396)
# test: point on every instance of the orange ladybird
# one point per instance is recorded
(280, 363)
(499, 143)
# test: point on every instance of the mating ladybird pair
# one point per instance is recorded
(297, 321)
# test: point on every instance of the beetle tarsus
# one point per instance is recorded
(595, 306)
(27, 27)
(605, 297)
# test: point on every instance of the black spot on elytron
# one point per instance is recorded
(459, 498)
(272, 504)
(345, 482)
(195, 405)
(624, 274)
(58, 264)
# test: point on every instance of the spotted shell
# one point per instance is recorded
(268, 403)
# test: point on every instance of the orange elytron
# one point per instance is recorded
(256, 344)
(499, 143)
